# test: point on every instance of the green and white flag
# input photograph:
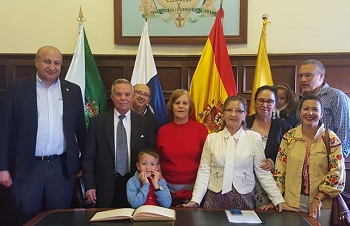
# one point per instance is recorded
(83, 72)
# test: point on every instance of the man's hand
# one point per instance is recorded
(91, 195)
(5, 178)
(79, 174)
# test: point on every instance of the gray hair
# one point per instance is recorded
(121, 81)
(319, 66)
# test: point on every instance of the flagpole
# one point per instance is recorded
(262, 74)
(265, 17)
(84, 72)
(80, 17)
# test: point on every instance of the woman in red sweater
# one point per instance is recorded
(180, 144)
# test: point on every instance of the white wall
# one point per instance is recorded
(297, 26)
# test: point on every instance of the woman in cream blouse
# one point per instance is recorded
(228, 162)
(302, 171)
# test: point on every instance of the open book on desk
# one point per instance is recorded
(143, 213)
(246, 216)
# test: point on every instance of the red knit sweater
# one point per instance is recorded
(180, 148)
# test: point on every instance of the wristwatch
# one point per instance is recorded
(159, 188)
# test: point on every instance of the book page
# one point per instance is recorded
(117, 214)
(149, 212)
(247, 216)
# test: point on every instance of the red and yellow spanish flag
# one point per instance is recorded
(213, 80)
(262, 75)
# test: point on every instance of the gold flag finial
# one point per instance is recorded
(80, 18)
(265, 17)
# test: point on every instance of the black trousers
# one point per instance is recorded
(120, 199)
(45, 188)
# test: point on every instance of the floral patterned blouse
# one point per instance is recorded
(289, 166)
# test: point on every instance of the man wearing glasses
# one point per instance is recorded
(336, 103)
(140, 103)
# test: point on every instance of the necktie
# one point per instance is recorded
(122, 148)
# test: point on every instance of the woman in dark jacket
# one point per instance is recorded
(271, 129)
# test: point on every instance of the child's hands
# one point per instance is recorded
(155, 176)
(143, 177)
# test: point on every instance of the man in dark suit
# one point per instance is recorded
(41, 133)
(105, 185)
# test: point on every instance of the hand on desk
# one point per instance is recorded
(191, 204)
(280, 207)
(315, 208)
(91, 195)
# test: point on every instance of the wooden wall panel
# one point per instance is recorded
(111, 73)
(189, 75)
(338, 76)
(22, 71)
(247, 80)
(3, 79)
(171, 78)
(177, 71)
(284, 74)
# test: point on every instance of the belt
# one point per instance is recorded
(118, 176)
(47, 158)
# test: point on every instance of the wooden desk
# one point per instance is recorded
(184, 217)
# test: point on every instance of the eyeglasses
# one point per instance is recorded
(306, 75)
(236, 111)
(140, 93)
(268, 102)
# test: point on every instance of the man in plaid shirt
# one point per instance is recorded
(336, 103)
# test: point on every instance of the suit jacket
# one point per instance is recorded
(99, 158)
(277, 129)
(19, 123)
(153, 117)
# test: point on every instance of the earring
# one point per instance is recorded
(273, 115)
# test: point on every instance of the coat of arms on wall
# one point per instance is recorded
(178, 11)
